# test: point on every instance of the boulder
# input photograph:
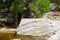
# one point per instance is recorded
(38, 29)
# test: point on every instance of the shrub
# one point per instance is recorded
(40, 6)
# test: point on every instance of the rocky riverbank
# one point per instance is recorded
(36, 29)
(41, 29)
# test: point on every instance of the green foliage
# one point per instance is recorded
(17, 6)
(40, 6)
(1, 4)
(27, 1)
(5, 3)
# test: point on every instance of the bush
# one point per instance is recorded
(17, 6)
(39, 7)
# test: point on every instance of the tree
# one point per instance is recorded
(39, 7)
(2, 4)
(5, 3)
(17, 8)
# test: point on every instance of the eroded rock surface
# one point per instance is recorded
(46, 27)
(52, 16)
(38, 27)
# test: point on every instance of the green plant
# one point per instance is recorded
(39, 7)
(16, 8)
